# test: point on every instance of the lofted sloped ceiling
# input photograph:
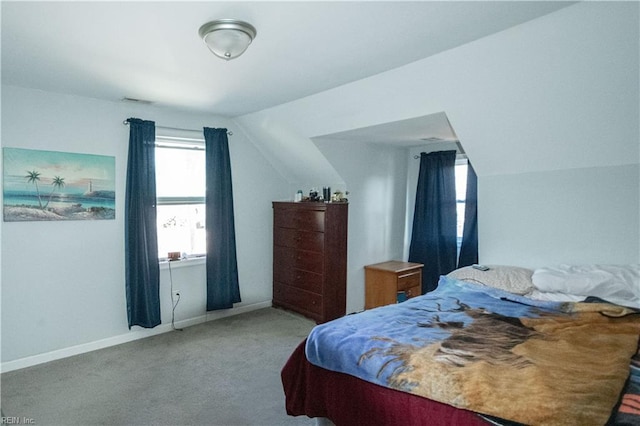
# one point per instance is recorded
(410, 132)
(556, 93)
(151, 50)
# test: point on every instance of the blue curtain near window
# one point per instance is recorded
(469, 248)
(433, 239)
(142, 271)
(223, 289)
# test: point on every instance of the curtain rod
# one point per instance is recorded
(458, 155)
(126, 123)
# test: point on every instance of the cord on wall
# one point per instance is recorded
(174, 303)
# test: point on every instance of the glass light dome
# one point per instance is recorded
(227, 38)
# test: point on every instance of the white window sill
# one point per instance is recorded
(193, 261)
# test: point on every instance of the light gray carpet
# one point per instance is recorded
(223, 372)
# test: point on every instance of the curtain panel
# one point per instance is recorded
(142, 269)
(469, 248)
(223, 289)
(433, 239)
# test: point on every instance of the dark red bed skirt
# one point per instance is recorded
(349, 401)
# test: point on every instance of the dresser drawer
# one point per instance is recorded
(287, 257)
(305, 280)
(303, 240)
(309, 220)
(301, 299)
(409, 280)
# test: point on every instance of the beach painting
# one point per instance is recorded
(50, 185)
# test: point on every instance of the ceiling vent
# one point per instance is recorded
(136, 101)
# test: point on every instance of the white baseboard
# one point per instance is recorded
(135, 334)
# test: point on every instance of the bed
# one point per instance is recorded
(507, 346)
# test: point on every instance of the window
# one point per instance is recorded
(180, 191)
(461, 195)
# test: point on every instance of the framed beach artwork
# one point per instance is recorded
(50, 185)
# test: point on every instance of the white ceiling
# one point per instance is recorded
(152, 51)
(433, 128)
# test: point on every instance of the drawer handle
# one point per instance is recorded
(408, 293)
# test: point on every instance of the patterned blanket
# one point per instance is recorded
(629, 409)
(489, 351)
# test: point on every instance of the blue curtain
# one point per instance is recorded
(433, 239)
(222, 268)
(469, 248)
(141, 244)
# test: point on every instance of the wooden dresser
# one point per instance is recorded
(310, 258)
(384, 281)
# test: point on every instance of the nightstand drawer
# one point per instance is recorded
(413, 292)
(409, 280)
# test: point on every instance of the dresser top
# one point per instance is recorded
(394, 266)
(308, 205)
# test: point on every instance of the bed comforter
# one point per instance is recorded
(489, 351)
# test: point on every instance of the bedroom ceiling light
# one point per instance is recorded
(227, 38)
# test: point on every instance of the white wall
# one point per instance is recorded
(587, 215)
(375, 176)
(557, 93)
(63, 282)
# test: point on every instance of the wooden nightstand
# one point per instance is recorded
(383, 282)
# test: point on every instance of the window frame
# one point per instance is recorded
(180, 143)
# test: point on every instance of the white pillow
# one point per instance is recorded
(509, 278)
(618, 284)
(554, 296)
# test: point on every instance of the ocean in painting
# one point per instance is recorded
(26, 207)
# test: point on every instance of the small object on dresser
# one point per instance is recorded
(298, 196)
(174, 255)
(326, 194)
(339, 197)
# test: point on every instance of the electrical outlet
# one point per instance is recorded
(176, 294)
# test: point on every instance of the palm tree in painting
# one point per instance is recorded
(33, 177)
(57, 183)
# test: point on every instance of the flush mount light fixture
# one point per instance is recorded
(227, 38)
